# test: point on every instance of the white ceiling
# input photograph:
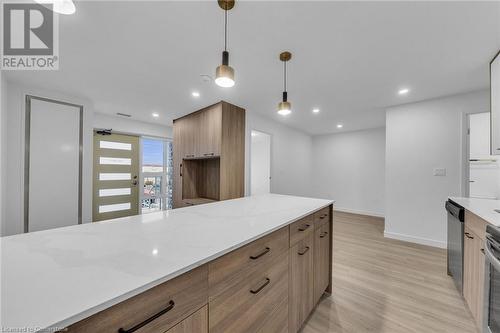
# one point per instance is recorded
(349, 58)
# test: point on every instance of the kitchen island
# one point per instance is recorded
(257, 263)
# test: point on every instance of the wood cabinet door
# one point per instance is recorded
(321, 260)
(301, 283)
(479, 280)
(189, 130)
(469, 268)
(473, 288)
(210, 132)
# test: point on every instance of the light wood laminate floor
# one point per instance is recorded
(384, 285)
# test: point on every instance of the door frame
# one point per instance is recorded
(27, 137)
(270, 160)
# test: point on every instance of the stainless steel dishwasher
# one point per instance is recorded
(455, 242)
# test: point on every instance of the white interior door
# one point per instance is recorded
(484, 170)
(53, 176)
(260, 163)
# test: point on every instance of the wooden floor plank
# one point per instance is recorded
(385, 285)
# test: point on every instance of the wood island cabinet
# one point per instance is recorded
(270, 285)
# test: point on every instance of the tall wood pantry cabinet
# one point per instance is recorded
(209, 155)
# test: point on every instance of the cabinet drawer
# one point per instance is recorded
(177, 298)
(321, 216)
(475, 224)
(227, 271)
(249, 305)
(300, 229)
(195, 323)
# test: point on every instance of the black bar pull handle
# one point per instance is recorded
(323, 234)
(255, 257)
(468, 235)
(169, 307)
(256, 291)
(180, 170)
(323, 216)
(304, 252)
(304, 227)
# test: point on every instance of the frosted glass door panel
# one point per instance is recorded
(54, 162)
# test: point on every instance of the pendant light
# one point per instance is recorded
(224, 74)
(284, 107)
(66, 7)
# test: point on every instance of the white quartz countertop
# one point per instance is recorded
(57, 277)
(484, 208)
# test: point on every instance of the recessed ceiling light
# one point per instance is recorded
(195, 94)
(316, 110)
(155, 114)
(340, 125)
(403, 91)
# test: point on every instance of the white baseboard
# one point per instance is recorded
(417, 240)
(355, 211)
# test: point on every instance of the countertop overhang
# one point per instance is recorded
(484, 208)
(54, 278)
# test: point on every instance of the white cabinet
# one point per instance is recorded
(495, 105)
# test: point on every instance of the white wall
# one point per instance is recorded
(420, 137)
(131, 126)
(350, 168)
(3, 156)
(14, 167)
(13, 96)
(290, 156)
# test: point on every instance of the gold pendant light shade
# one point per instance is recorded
(224, 76)
(284, 108)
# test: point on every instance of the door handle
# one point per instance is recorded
(304, 227)
(257, 256)
(169, 307)
(256, 291)
(303, 252)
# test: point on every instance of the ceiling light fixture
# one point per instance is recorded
(155, 114)
(224, 74)
(284, 107)
(195, 94)
(316, 110)
(403, 91)
(66, 7)
(340, 125)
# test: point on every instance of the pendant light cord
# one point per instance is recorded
(225, 28)
(284, 79)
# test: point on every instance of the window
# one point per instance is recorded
(157, 177)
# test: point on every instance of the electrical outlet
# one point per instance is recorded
(439, 172)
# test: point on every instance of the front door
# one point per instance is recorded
(116, 171)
